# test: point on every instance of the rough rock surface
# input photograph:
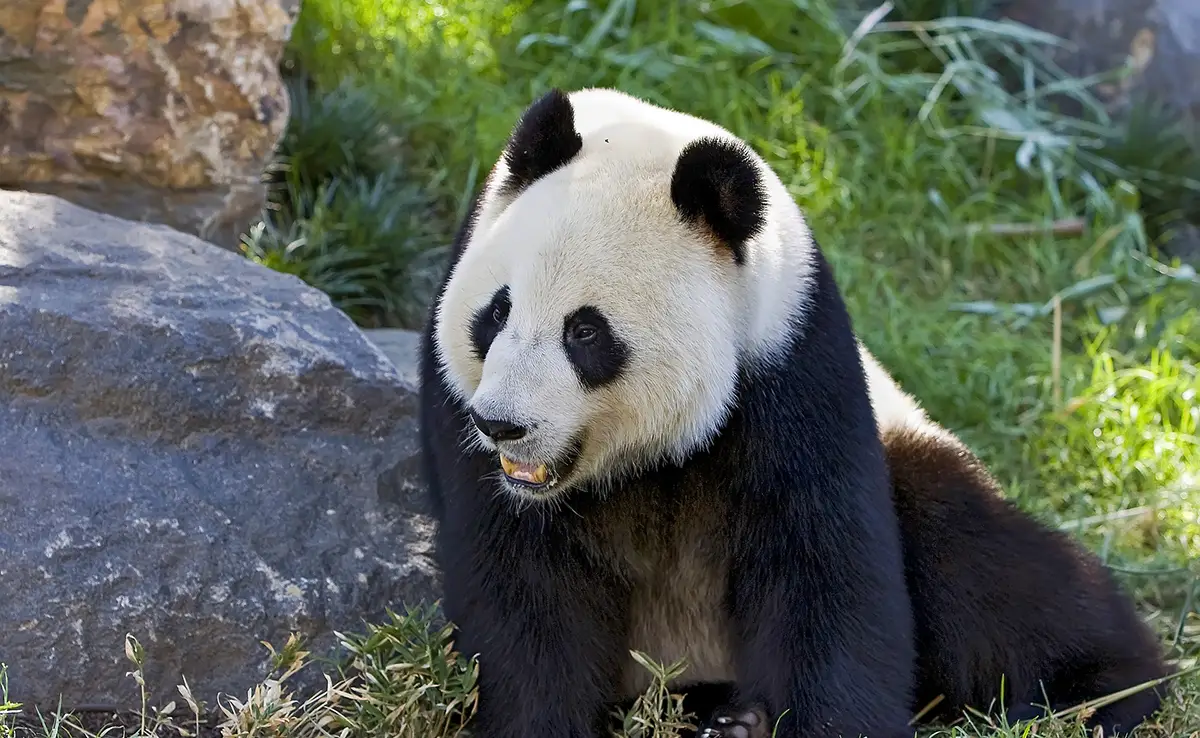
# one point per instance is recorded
(166, 112)
(196, 450)
(401, 347)
(1160, 38)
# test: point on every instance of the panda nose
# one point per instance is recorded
(498, 430)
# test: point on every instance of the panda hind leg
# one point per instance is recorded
(1091, 681)
(1114, 720)
(1122, 716)
(1025, 711)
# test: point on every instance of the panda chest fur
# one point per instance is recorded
(671, 544)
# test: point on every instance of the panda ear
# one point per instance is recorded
(716, 184)
(542, 141)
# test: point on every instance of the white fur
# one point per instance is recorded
(603, 231)
(894, 408)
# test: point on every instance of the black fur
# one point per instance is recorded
(716, 184)
(704, 701)
(599, 356)
(542, 141)
(488, 321)
(996, 593)
(816, 593)
(433, 428)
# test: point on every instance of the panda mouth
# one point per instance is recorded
(535, 476)
(526, 474)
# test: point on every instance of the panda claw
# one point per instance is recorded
(730, 722)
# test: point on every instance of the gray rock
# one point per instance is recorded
(1160, 38)
(400, 346)
(196, 450)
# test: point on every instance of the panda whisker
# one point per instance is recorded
(517, 503)
(567, 505)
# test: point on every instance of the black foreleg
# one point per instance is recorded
(824, 620)
(548, 627)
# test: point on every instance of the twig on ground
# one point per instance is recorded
(1062, 227)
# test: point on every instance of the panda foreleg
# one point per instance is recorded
(822, 619)
(546, 624)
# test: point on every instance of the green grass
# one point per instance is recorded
(1002, 258)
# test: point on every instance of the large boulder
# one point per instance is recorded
(1159, 39)
(166, 112)
(193, 449)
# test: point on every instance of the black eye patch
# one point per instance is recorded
(488, 321)
(597, 355)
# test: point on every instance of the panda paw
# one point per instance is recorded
(735, 722)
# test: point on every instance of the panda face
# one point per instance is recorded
(620, 272)
(589, 335)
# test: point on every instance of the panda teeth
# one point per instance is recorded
(527, 473)
(508, 465)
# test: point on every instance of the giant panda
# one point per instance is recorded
(646, 426)
(1007, 612)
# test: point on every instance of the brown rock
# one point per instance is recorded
(166, 112)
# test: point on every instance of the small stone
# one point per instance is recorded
(1183, 244)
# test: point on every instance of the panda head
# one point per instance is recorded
(624, 264)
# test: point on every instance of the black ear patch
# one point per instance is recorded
(542, 141)
(717, 184)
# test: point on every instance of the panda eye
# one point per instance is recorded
(584, 333)
(500, 310)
